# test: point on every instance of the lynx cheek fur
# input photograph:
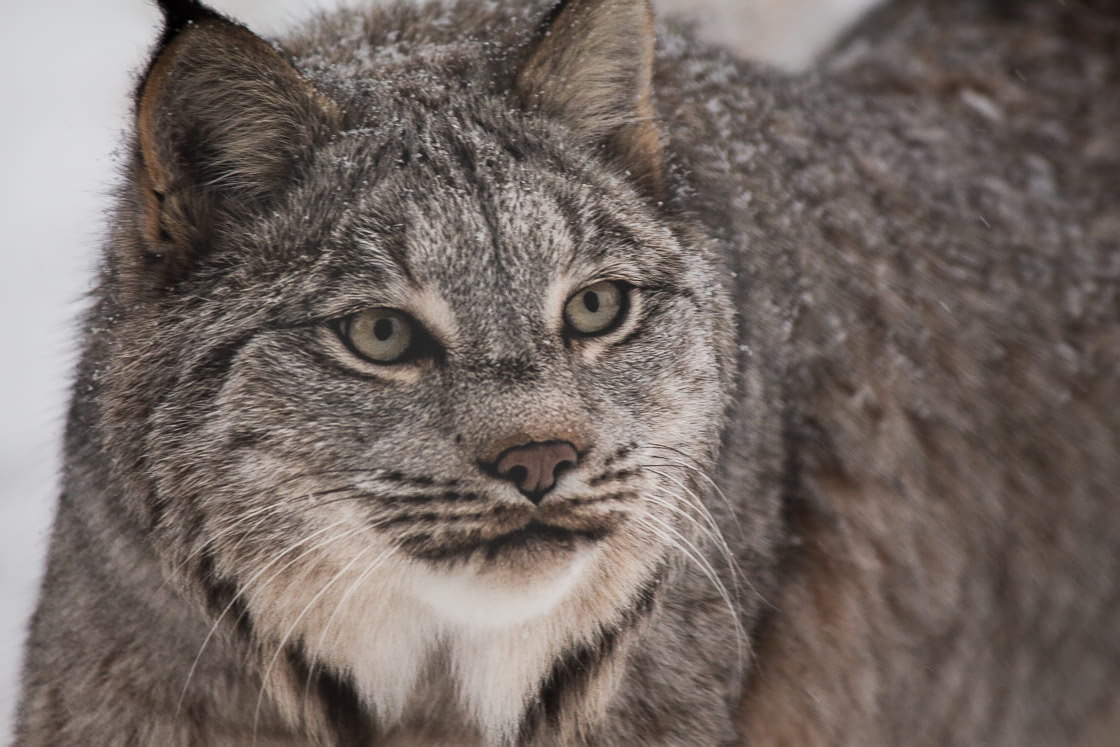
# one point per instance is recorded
(469, 374)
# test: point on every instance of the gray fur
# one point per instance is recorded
(874, 332)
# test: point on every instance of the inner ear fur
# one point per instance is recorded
(222, 119)
(592, 67)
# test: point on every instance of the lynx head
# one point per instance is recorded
(417, 325)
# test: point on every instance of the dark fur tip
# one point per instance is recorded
(178, 14)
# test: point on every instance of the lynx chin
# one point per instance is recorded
(530, 373)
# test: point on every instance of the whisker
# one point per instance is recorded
(376, 563)
(318, 546)
(288, 633)
(693, 554)
(735, 567)
(666, 502)
(209, 541)
(236, 525)
(287, 500)
(717, 534)
(698, 469)
(240, 592)
(415, 499)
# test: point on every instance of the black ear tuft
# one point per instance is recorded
(178, 14)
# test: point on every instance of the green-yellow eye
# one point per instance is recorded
(382, 335)
(596, 308)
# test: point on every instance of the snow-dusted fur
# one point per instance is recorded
(847, 459)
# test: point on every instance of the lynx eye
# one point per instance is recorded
(596, 309)
(381, 335)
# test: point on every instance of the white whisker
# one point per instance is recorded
(241, 591)
(376, 563)
(699, 470)
(667, 533)
(716, 535)
(235, 526)
(288, 633)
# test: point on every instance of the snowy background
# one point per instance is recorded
(68, 67)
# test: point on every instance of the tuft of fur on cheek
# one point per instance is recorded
(346, 608)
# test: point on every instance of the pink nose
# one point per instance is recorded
(534, 467)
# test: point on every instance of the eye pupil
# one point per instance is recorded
(597, 308)
(383, 329)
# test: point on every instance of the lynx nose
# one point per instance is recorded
(534, 467)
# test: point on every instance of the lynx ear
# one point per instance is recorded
(222, 118)
(592, 67)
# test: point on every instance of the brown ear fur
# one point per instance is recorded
(592, 67)
(221, 119)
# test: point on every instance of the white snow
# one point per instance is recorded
(68, 67)
(787, 33)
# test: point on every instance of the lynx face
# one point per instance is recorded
(417, 355)
(416, 349)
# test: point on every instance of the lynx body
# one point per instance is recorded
(531, 374)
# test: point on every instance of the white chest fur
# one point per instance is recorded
(497, 636)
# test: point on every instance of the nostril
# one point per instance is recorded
(518, 474)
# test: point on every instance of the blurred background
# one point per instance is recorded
(68, 67)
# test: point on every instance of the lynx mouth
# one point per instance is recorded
(537, 535)
(535, 540)
(508, 577)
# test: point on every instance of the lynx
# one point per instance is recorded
(532, 373)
